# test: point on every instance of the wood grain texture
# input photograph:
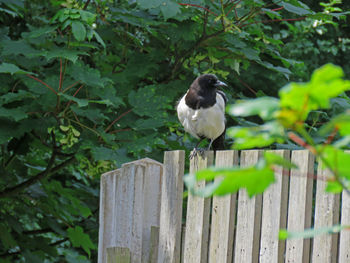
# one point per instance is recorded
(300, 205)
(223, 216)
(171, 207)
(248, 218)
(107, 193)
(274, 214)
(326, 214)
(197, 221)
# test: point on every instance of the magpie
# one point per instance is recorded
(201, 112)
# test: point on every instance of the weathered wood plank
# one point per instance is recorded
(274, 214)
(326, 214)
(118, 255)
(300, 205)
(223, 216)
(197, 221)
(107, 193)
(152, 188)
(344, 240)
(154, 244)
(248, 218)
(171, 207)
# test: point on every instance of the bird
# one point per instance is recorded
(201, 111)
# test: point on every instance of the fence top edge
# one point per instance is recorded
(111, 173)
(143, 161)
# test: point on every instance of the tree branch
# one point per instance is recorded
(49, 170)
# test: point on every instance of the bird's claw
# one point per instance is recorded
(197, 151)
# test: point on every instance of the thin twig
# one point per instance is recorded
(42, 82)
(117, 119)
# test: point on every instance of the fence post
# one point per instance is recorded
(223, 216)
(300, 205)
(197, 221)
(171, 208)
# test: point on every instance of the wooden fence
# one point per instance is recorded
(141, 211)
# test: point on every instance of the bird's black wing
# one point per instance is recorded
(219, 142)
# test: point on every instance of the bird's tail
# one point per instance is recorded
(219, 142)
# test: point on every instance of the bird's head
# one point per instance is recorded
(210, 81)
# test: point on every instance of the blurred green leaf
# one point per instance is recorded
(265, 107)
(310, 233)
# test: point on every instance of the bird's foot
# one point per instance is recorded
(197, 151)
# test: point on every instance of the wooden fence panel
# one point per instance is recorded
(344, 240)
(107, 193)
(223, 216)
(197, 221)
(248, 218)
(171, 207)
(326, 214)
(274, 215)
(300, 205)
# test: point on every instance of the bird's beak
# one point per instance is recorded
(220, 84)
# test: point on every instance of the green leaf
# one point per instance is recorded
(334, 187)
(99, 39)
(71, 55)
(79, 239)
(81, 102)
(40, 31)
(254, 179)
(16, 114)
(265, 107)
(257, 136)
(88, 17)
(335, 159)
(275, 159)
(296, 10)
(78, 30)
(148, 4)
(310, 233)
(169, 9)
(12, 69)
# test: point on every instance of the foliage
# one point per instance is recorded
(89, 85)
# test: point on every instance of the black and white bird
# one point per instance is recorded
(201, 112)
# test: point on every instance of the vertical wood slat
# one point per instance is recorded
(197, 221)
(326, 214)
(248, 218)
(223, 216)
(300, 205)
(107, 192)
(171, 207)
(274, 214)
(344, 239)
(118, 255)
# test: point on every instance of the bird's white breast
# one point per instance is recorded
(207, 122)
